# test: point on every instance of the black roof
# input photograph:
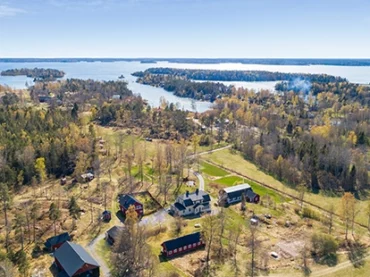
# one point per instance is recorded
(72, 257)
(182, 241)
(50, 242)
(179, 206)
(206, 198)
(127, 200)
(114, 232)
(198, 195)
(188, 202)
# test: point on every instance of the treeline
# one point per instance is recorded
(36, 142)
(167, 122)
(80, 91)
(238, 75)
(350, 90)
(182, 87)
(321, 142)
(40, 74)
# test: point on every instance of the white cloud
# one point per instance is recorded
(9, 11)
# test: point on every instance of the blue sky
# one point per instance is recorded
(185, 28)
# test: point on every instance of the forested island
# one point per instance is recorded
(183, 87)
(238, 75)
(39, 74)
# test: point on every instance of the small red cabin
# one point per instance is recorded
(182, 245)
(125, 201)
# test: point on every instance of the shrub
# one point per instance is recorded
(309, 213)
(324, 245)
(156, 231)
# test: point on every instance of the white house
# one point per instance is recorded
(191, 203)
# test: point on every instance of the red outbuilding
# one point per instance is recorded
(126, 200)
(182, 245)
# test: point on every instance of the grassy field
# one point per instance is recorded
(229, 181)
(262, 191)
(212, 170)
(235, 161)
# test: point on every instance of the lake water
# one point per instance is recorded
(105, 71)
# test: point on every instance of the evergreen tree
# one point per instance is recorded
(54, 215)
(74, 111)
(74, 209)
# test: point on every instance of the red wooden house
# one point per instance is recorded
(73, 260)
(182, 245)
(126, 200)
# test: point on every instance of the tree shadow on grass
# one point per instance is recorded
(356, 253)
(330, 259)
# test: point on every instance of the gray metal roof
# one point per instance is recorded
(115, 231)
(72, 257)
(237, 188)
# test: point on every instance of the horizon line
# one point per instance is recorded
(178, 58)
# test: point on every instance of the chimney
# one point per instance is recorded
(187, 193)
(197, 191)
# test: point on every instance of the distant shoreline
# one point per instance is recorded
(288, 62)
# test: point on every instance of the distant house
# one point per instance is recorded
(106, 216)
(63, 180)
(113, 234)
(116, 97)
(191, 203)
(182, 245)
(234, 194)
(72, 260)
(55, 242)
(87, 177)
(44, 98)
(126, 200)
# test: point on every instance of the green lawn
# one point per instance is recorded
(229, 181)
(212, 170)
(278, 198)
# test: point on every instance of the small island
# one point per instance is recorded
(183, 87)
(39, 74)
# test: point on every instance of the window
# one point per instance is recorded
(194, 244)
(169, 252)
(185, 247)
(199, 243)
(175, 251)
(180, 249)
(189, 209)
(189, 246)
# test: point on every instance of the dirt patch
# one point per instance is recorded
(290, 249)
(190, 262)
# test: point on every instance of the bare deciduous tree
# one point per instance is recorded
(253, 244)
(211, 225)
